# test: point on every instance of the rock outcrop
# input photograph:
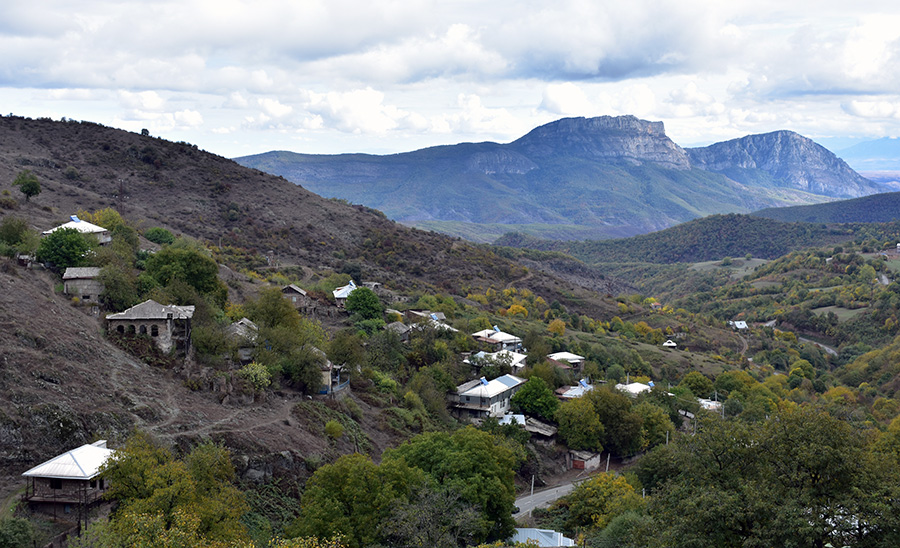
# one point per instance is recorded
(605, 137)
(783, 159)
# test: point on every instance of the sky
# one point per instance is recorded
(383, 76)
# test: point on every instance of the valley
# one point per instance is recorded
(342, 424)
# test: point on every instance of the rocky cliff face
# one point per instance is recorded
(605, 137)
(785, 159)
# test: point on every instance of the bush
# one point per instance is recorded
(159, 235)
(334, 429)
(257, 375)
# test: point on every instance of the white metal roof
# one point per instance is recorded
(489, 389)
(344, 291)
(498, 336)
(81, 226)
(541, 537)
(634, 388)
(566, 357)
(83, 463)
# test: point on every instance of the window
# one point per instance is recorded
(143, 330)
(121, 329)
(154, 331)
(85, 297)
(93, 484)
(55, 483)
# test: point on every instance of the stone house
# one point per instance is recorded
(481, 398)
(83, 282)
(168, 325)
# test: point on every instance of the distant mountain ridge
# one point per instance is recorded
(784, 159)
(597, 177)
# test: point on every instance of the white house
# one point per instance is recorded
(341, 293)
(574, 360)
(580, 389)
(738, 325)
(482, 398)
(516, 360)
(69, 480)
(634, 388)
(84, 227)
(670, 344)
(499, 339)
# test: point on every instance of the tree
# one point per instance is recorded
(593, 503)
(622, 427)
(353, 497)
(64, 248)
(16, 532)
(536, 398)
(439, 519)
(271, 309)
(472, 463)
(16, 237)
(557, 327)
(159, 235)
(194, 497)
(364, 304)
(28, 183)
(579, 425)
(189, 263)
(698, 383)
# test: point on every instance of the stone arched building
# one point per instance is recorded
(169, 326)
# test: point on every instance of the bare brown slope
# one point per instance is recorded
(177, 186)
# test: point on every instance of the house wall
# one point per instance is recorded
(87, 289)
(69, 491)
(163, 337)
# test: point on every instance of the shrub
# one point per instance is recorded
(334, 429)
(159, 235)
(257, 375)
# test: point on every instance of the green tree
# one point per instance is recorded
(353, 497)
(162, 493)
(28, 183)
(16, 532)
(579, 425)
(271, 309)
(656, 427)
(64, 248)
(188, 262)
(536, 398)
(17, 237)
(159, 235)
(364, 304)
(120, 287)
(698, 383)
(621, 426)
(473, 464)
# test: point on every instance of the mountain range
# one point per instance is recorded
(576, 178)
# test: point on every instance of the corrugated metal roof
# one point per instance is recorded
(83, 463)
(492, 388)
(566, 357)
(345, 291)
(294, 288)
(81, 226)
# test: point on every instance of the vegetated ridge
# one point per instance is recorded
(880, 208)
(706, 239)
(575, 178)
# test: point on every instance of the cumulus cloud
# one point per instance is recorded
(566, 99)
(873, 109)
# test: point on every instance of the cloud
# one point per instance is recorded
(872, 109)
(567, 99)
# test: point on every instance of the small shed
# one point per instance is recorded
(341, 294)
(583, 460)
(83, 282)
(297, 296)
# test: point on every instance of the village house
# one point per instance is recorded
(481, 398)
(243, 334)
(574, 360)
(169, 326)
(84, 227)
(341, 294)
(516, 360)
(571, 392)
(296, 295)
(83, 282)
(540, 538)
(68, 484)
(498, 339)
(334, 377)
